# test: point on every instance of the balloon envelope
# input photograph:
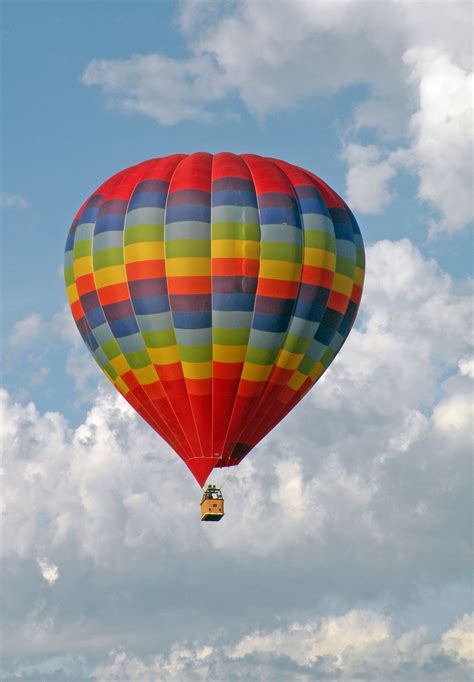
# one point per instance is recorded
(214, 291)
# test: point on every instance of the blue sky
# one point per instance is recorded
(373, 97)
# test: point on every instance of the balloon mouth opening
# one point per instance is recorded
(201, 467)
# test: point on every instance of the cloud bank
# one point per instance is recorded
(420, 84)
(358, 645)
(371, 503)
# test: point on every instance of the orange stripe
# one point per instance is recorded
(277, 288)
(85, 284)
(356, 293)
(155, 390)
(199, 386)
(130, 379)
(248, 267)
(280, 375)
(189, 285)
(145, 269)
(227, 370)
(318, 276)
(250, 388)
(169, 372)
(338, 302)
(174, 388)
(76, 309)
(114, 293)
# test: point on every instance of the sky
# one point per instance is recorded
(345, 552)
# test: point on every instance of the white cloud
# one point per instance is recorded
(26, 330)
(60, 326)
(414, 322)
(367, 178)
(83, 371)
(13, 200)
(466, 367)
(243, 52)
(443, 134)
(440, 150)
(27, 363)
(361, 644)
(49, 571)
(419, 80)
(168, 90)
(365, 463)
(455, 413)
(414, 327)
(83, 482)
(329, 637)
(63, 325)
(459, 640)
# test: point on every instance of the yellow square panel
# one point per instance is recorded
(359, 276)
(72, 294)
(163, 356)
(120, 364)
(82, 266)
(115, 274)
(144, 251)
(197, 370)
(288, 360)
(317, 371)
(342, 284)
(280, 269)
(146, 375)
(221, 353)
(319, 258)
(297, 380)
(254, 372)
(188, 267)
(235, 248)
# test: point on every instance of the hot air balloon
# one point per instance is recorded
(214, 291)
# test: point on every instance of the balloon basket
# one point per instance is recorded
(212, 504)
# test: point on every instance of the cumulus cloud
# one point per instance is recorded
(459, 640)
(166, 89)
(367, 179)
(442, 131)
(362, 494)
(70, 478)
(381, 390)
(440, 151)
(26, 330)
(361, 644)
(239, 50)
(61, 325)
(48, 570)
(419, 81)
(455, 413)
(466, 367)
(27, 362)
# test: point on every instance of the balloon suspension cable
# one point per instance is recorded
(224, 476)
(220, 476)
